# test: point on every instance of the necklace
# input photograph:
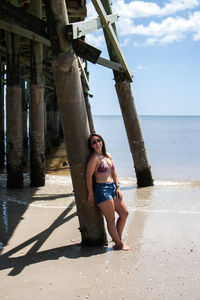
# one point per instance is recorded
(99, 153)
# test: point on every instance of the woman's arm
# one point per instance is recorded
(115, 178)
(91, 166)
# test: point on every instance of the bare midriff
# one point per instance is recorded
(102, 178)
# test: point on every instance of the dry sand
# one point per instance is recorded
(43, 258)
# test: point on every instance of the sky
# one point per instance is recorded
(160, 41)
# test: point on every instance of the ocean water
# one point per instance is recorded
(172, 144)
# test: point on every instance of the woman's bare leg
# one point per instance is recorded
(108, 210)
(122, 211)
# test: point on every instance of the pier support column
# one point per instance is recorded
(74, 120)
(24, 124)
(55, 139)
(14, 139)
(37, 143)
(47, 122)
(130, 117)
(134, 133)
(2, 140)
(24, 115)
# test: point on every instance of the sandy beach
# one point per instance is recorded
(42, 258)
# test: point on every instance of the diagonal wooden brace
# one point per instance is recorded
(111, 35)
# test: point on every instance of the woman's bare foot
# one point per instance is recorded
(123, 247)
(126, 248)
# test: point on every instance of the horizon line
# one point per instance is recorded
(119, 115)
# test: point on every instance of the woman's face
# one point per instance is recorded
(96, 143)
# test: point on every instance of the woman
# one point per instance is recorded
(106, 193)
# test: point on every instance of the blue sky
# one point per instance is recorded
(161, 44)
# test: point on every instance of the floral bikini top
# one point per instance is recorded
(103, 167)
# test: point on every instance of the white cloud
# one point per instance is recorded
(195, 19)
(167, 26)
(136, 9)
(125, 42)
(164, 31)
(140, 67)
(179, 5)
(94, 40)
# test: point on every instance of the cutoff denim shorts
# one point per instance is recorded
(104, 192)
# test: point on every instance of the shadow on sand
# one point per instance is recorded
(33, 256)
(13, 205)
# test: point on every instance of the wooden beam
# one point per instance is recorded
(85, 50)
(23, 32)
(110, 64)
(111, 34)
(92, 54)
(79, 29)
(83, 74)
(12, 14)
(79, 12)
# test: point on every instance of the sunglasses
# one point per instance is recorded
(96, 141)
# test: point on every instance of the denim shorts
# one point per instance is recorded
(104, 192)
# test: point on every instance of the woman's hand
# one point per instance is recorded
(119, 194)
(91, 199)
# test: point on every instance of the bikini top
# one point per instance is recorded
(104, 167)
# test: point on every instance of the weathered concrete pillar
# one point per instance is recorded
(14, 140)
(24, 123)
(48, 122)
(55, 123)
(24, 115)
(37, 155)
(130, 117)
(134, 133)
(2, 140)
(61, 134)
(74, 120)
(37, 146)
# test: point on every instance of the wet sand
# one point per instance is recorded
(42, 257)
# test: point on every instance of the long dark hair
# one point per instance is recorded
(103, 143)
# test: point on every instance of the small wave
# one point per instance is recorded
(61, 180)
(41, 204)
(160, 182)
(176, 183)
(196, 212)
(127, 181)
